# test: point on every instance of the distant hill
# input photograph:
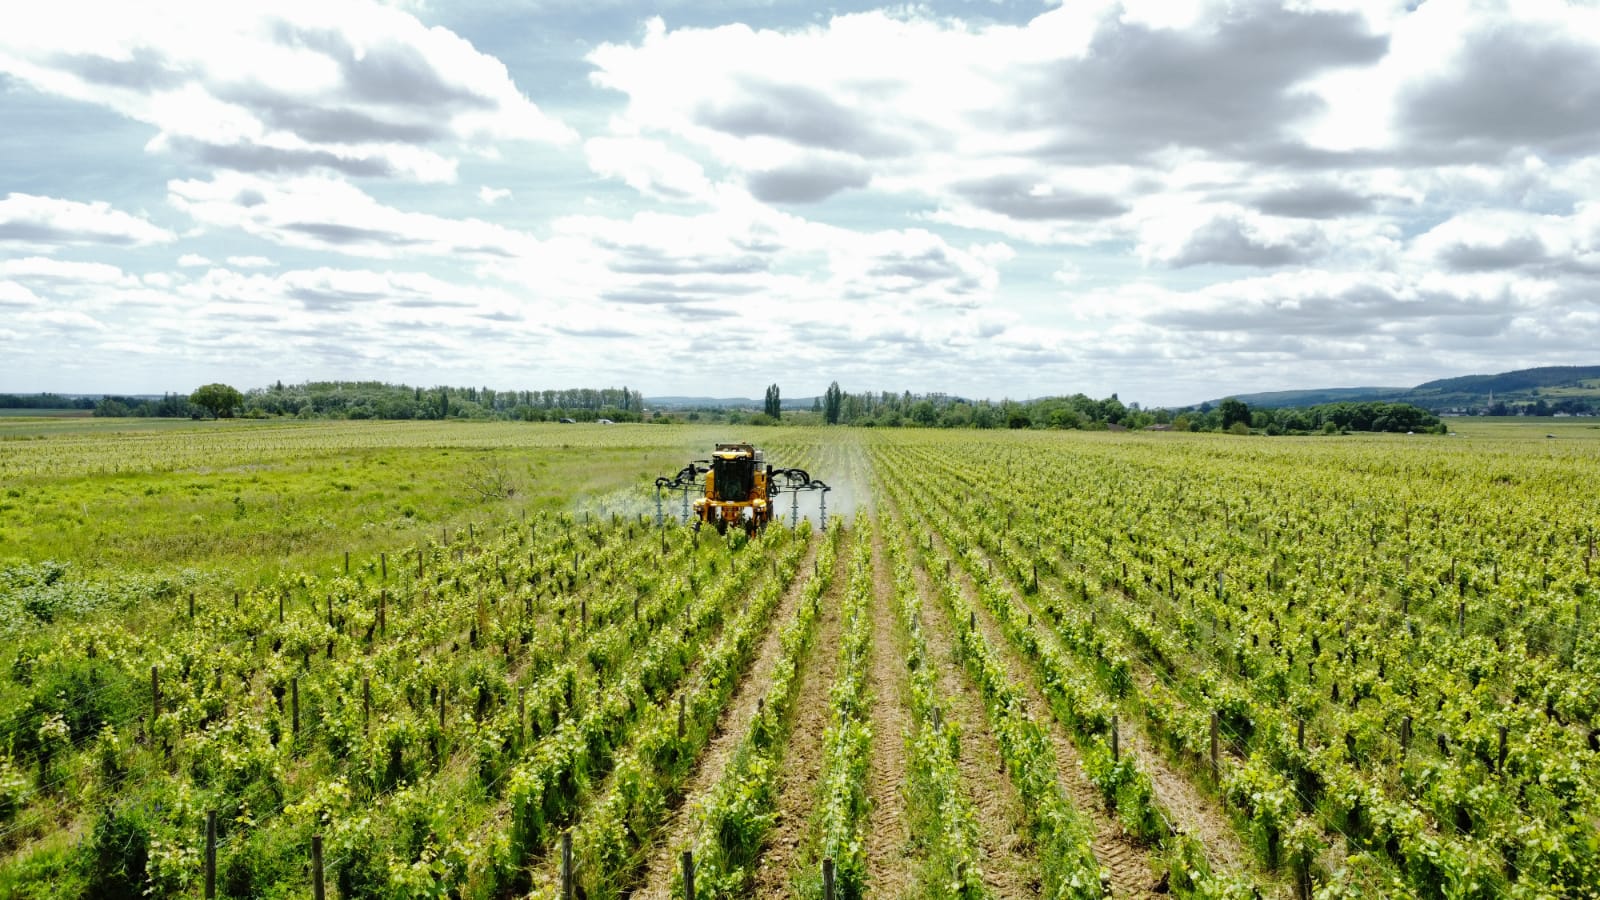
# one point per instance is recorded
(1552, 384)
(723, 402)
(1286, 399)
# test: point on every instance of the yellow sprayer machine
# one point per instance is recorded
(739, 488)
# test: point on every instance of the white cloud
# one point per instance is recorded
(1178, 236)
(330, 214)
(15, 296)
(34, 221)
(1327, 188)
(1318, 305)
(61, 320)
(1010, 127)
(648, 167)
(41, 269)
(351, 86)
(1486, 240)
(914, 264)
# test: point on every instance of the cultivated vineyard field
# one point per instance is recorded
(1021, 664)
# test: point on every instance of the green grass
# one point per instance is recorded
(29, 426)
(1525, 428)
(127, 504)
(6, 413)
(249, 499)
(244, 500)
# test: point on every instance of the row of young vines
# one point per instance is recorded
(435, 716)
(1371, 666)
(1397, 674)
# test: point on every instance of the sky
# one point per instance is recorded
(1172, 201)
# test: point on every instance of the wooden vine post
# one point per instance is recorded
(318, 891)
(1216, 772)
(211, 854)
(566, 865)
(522, 715)
(155, 698)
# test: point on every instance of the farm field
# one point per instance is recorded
(1017, 664)
(247, 499)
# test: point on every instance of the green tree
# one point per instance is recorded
(112, 408)
(1113, 410)
(1234, 410)
(774, 405)
(218, 399)
(1064, 417)
(832, 403)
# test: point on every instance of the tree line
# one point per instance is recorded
(1079, 411)
(380, 400)
(865, 409)
(44, 401)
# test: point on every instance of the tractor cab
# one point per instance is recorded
(733, 471)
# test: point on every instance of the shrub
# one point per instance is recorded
(13, 789)
(85, 694)
(117, 856)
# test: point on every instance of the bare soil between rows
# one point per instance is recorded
(1132, 868)
(1009, 867)
(889, 854)
(678, 830)
(801, 766)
